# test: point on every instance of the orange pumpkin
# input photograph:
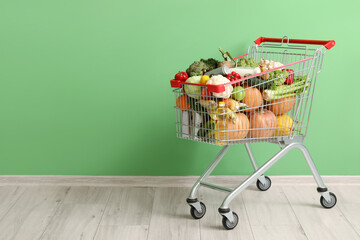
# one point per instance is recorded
(232, 130)
(262, 124)
(281, 106)
(253, 99)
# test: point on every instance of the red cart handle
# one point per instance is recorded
(328, 44)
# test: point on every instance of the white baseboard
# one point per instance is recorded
(160, 181)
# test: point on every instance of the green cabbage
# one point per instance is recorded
(191, 90)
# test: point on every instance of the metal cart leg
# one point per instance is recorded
(263, 183)
(328, 200)
(192, 200)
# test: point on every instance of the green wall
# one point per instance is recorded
(84, 84)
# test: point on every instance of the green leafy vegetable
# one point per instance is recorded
(300, 86)
(211, 63)
(247, 62)
(226, 56)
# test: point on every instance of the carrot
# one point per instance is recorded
(182, 102)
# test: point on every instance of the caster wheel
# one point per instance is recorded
(330, 204)
(227, 224)
(195, 214)
(264, 187)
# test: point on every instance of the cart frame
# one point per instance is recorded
(230, 218)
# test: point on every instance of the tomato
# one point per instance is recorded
(182, 76)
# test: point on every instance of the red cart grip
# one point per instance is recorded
(211, 88)
(328, 44)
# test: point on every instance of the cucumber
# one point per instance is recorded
(195, 105)
(259, 83)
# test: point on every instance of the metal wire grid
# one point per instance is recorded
(191, 117)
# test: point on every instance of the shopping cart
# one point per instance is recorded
(275, 105)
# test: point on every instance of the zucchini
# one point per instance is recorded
(206, 128)
(196, 106)
(259, 83)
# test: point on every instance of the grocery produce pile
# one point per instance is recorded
(255, 101)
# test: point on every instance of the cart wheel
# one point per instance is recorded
(264, 187)
(195, 214)
(227, 224)
(330, 204)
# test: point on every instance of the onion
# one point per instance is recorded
(225, 63)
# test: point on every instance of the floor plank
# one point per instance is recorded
(211, 224)
(317, 222)
(140, 213)
(128, 213)
(31, 213)
(270, 213)
(8, 195)
(79, 215)
(349, 203)
(120, 232)
(170, 217)
(274, 232)
(129, 206)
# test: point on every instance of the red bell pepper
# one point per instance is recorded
(290, 79)
(206, 94)
(233, 76)
(182, 76)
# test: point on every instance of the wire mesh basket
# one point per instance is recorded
(269, 103)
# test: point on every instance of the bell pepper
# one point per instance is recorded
(233, 76)
(182, 76)
(206, 94)
(290, 78)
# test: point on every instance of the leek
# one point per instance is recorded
(283, 91)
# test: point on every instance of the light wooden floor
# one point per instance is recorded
(69, 211)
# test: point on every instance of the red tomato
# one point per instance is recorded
(182, 76)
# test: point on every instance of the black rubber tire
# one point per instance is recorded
(227, 224)
(329, 205)
(195, 214)
(265, 187)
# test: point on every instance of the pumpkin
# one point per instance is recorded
(253, 98)
(281, 106)
(182, 102)
(262, 124)
(231, 129)
(283, 124)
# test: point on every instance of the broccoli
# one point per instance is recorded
(278, 76)
(197, 68)
(210, 62)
